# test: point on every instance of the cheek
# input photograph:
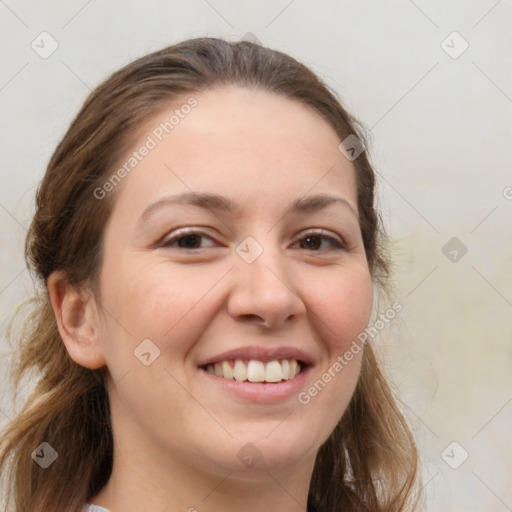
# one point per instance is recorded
(343, 305)
(165, 303)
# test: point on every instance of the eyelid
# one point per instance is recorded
(177, 233)
(320, 231)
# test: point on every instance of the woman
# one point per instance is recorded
(208, 249)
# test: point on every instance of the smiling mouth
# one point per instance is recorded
(256, 371)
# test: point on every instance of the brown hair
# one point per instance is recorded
(369, 462)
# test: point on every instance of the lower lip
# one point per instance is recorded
(260, 392)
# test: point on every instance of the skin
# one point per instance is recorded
(176, 435)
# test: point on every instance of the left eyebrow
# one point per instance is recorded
(216, 202)
(319, 202)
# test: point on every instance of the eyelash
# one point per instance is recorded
(189, 232)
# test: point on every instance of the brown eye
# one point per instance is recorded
(313, 242)
(188, 239)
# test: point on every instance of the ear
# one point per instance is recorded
(77, 320)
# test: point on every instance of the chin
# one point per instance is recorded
(268, 451)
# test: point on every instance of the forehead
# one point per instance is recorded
(232, 115)
(240, 141)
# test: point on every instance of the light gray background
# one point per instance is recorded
(441, 136)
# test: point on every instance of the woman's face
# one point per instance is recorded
(233, 238)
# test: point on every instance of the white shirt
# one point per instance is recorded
(94, 508)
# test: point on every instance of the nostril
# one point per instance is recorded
(251, 317)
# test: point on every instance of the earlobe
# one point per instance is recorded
(77, 320)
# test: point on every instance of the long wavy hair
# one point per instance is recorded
(369, 462)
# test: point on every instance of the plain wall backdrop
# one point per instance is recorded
(432, 82)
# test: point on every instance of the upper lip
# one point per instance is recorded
(264, 354)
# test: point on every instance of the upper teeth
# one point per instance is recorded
(256, 371)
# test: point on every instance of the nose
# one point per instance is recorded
(264, 292)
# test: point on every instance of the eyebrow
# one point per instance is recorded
(223, 204)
